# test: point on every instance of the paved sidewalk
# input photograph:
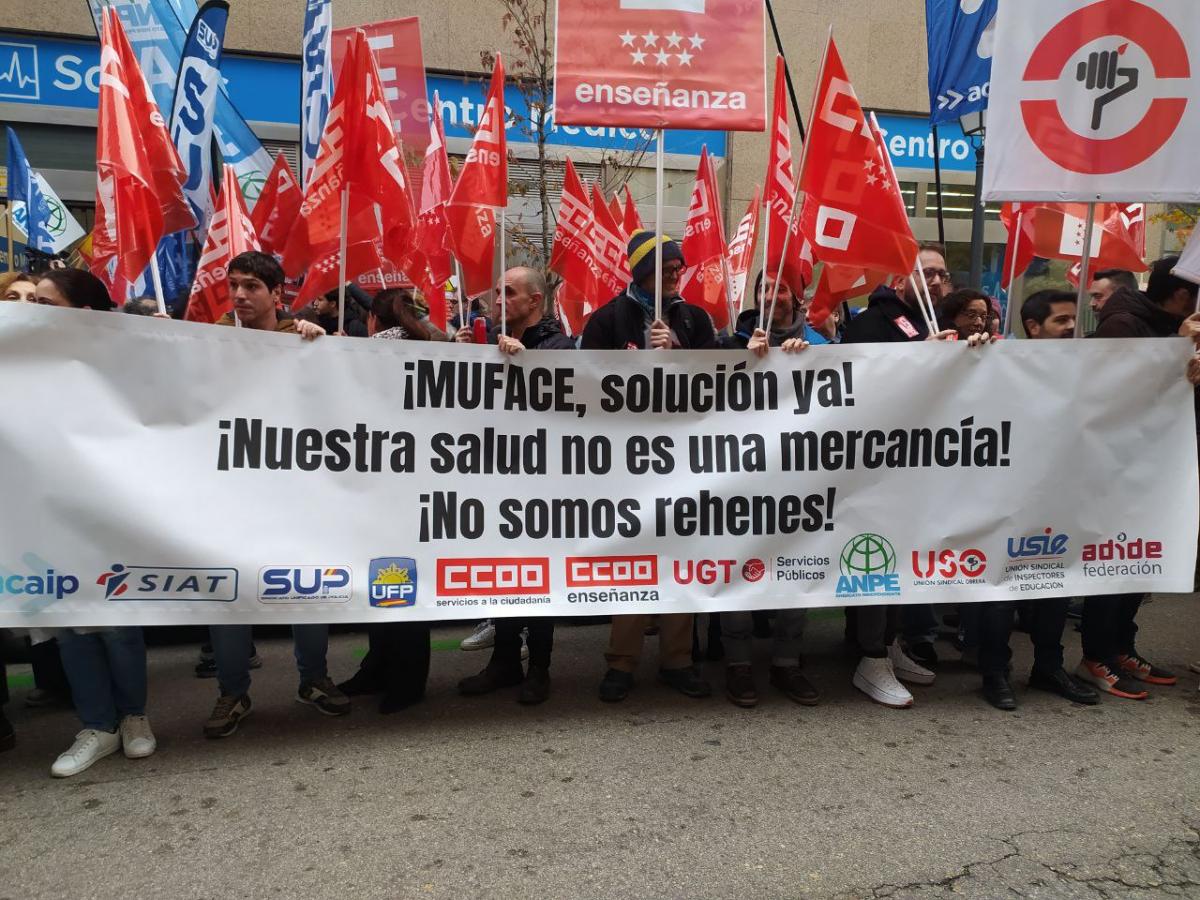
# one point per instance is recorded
(658, 797)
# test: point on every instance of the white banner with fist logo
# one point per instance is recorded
(168, 472)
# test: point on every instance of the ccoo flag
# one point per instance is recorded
(230, 233)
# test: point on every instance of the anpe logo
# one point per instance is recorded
(493, 576)
(305, 584)
(612, 571)
(948, 565)
(1046, 545)
(174, 583)
(393, 581)
(868, 567)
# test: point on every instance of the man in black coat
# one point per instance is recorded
(529, 328)
(1110, 660)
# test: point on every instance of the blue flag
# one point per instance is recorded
(960, 56)
(29, 207)
(316, 81)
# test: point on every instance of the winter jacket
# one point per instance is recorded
(543, 335)
(622, 324)
(1131, 314)
(287, 324)
(887, 319)
(748, 321)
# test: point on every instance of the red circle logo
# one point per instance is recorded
(754, 570)
(1106, 76)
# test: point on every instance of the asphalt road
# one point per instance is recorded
(658, 797)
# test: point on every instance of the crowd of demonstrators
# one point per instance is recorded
(104, 669)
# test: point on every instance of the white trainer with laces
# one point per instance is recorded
(90, 745)
(906, 669)
(136, 737)
(874, 677)
(481, 638)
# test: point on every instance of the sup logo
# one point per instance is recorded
(868, 567)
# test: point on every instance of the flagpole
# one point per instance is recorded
(712, 180)
(765, 324)
(342, 260)
(458, 290)
(1012, 279)
(928, 296)
(766, 233)
(658, 225)
(503, 269)
(1085, 266)
(158, 288)
(12, 263)
(921, 302)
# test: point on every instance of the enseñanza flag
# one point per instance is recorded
(853, 212)
(704, 248)
(573, 255)
(139, 178)
(481, 189)
(278, 207)
(780, 196)
(322, 275)
(741, 251)
(611, 257)
(433, 228)
(230, 232)
(660, 64)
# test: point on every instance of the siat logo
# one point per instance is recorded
(122, 582)
(1103, 64)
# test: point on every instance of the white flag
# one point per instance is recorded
(59, 223)
(1189, 261)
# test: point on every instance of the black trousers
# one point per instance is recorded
(48, 673)
(1108, 627)
(1047, 619)
(507, 649)
(991, 624)
(398, 658)
(872, 628)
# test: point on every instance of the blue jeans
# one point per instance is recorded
(231, 651)
(107, 674)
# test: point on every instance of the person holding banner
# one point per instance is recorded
(256, 288)
(1049, 315)
(18, 286)
(73, 288)
(524, 308)
(789, 327)
(627, 323)
(967, 311)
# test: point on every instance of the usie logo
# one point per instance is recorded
(1046, 545)
(393, 581)
(124, 582)
(305, 584)
(948, 563)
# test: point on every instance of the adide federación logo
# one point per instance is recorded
(868, 567)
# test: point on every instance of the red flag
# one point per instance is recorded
(230, 232)
(703, 283)
(632, 218)
(139, 178)
(838, 284)
(741, 250)
(574, 307)
(277, 208)
(1056, 231)
(853, 212)
(322, 275)
(573, 256)
(433, 228)
(482, 188)
(780, 195)
(618, 216)
(611, 255)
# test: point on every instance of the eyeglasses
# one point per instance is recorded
(939, 274)
(974, 316)
(673, 271)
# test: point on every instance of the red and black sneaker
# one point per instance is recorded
(1143, 670)
(1108, 678)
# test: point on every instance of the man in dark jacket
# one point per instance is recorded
(894, 316)
(324, 311)
(529, 328)
(627, 323)
(789, 327)
(1110, 660)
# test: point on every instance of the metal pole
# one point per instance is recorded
(977, 222)
(1012, 279)
(503, 291)
(342, 260)
(937, 182)
(658, 224)
(787, 72)
(1085, 265)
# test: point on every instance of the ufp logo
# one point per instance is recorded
(305, 584)
(493, 576)
(393, 581)
(868, 567)
(174, 583)
(612, 571)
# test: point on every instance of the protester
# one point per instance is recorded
(1049, 314)
(18, 286)
(395, 307)
(966, 311)
(529, 328)
(141, 306)
(627, 322)
(73, 288)
(256, 287)
(787, 325)
(324, 311)
(1110, 658)
(1105, 282)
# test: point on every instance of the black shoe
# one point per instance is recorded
(792, 682)
(739, 685)
(535, 688)
(360, 684)
(997, 690)
(922, 652)
(1059, 681)
(394, 703)
(688, 681)
(615, 686)
(8, 736)
(492, 678)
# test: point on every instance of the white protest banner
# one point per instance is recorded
(1094, 100)
(256, 478)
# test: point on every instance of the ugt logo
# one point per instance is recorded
(868, 567)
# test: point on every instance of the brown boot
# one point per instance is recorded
(739, 685)
(792, 682)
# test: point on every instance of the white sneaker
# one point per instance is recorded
(481, 638)
(874, 677)
(90, 745)
(136, 737)
(906, 669)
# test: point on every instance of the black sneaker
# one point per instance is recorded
(224, 719)
(535, 688)
(922, 652)
(324, 695)
(615, 686)
(739, 685)
(797, 688)
(8, 735)
(997, 690)
(1060, 682)
(492, 678)
(688, 681)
